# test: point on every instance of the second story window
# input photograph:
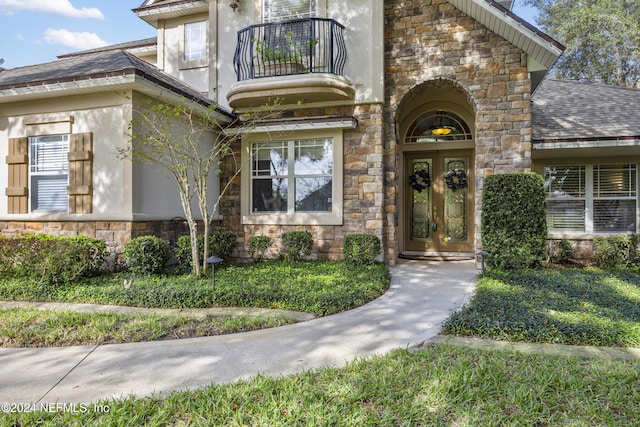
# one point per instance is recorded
(282, 10)
(195, 41)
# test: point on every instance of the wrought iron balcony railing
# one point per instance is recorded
(300, 46)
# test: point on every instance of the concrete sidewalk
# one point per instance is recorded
(421, 297)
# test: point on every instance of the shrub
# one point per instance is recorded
(361, 249)
(146, 255)
(53, 260)
(617, 251)
(561, 251)
(296, 245)
(221, 244)
(258, 246)
(514, 228)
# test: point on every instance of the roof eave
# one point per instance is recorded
(152, 14)
(132, 79)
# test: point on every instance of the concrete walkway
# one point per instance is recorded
(421, 297)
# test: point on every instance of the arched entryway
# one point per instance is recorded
(436, 191)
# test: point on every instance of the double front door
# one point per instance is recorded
(437, 202)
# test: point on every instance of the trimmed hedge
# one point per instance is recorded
(514, 227)
(621, 251)
(258, 246)
(52, 260)
(296, 245)
(361, 249)
(221, 244)
(146, 255)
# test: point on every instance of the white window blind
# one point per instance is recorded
(614, 198)
(566, 197)
(49, 172)
(591, 198)
(282, 10)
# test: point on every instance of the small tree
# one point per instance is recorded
(186, 141)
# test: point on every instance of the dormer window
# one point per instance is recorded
(195, 41)
(282, 10)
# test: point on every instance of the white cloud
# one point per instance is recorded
(81, 41)
(55, 7)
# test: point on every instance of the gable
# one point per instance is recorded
(542, 50)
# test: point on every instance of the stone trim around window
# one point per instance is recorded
(335, 217)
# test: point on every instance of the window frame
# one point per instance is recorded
(591, 198)
(184, 40)
(320, 10)
(62, 171)
(291, 216)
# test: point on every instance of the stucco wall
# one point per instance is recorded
(363, 32)
(106, 116)
(122, 191)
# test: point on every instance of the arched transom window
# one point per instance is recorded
(438, 126)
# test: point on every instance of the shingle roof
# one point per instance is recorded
(135, 44)
(98, 65)
(567, 110)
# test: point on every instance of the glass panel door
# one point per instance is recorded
(456, 200)
(421, 205)
(437, 203)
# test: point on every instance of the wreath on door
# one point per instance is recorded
(456, 179)
(420, 180)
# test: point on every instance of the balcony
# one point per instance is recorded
(297, 61)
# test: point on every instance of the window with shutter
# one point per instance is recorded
(17, 190)
(80, 190)
(282, 10)
(591, 198)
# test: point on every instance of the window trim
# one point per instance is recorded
(335, 217)
(64, 171)
(590, 197)
(321, 11)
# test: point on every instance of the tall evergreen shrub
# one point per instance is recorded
(514, 227)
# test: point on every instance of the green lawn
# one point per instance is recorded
(439, 386)
(321, 288)
(555, 305)
(48, 328)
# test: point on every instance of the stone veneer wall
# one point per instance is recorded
(431, 44)
(115, 233)
(363, 188)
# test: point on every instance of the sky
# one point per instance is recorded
(37, 31)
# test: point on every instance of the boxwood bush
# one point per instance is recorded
(361, 249)
(52, 260)
(619, 251)
(258, 246)
(514, 228)
(296, 245)
(146, 255)
(221, 244)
